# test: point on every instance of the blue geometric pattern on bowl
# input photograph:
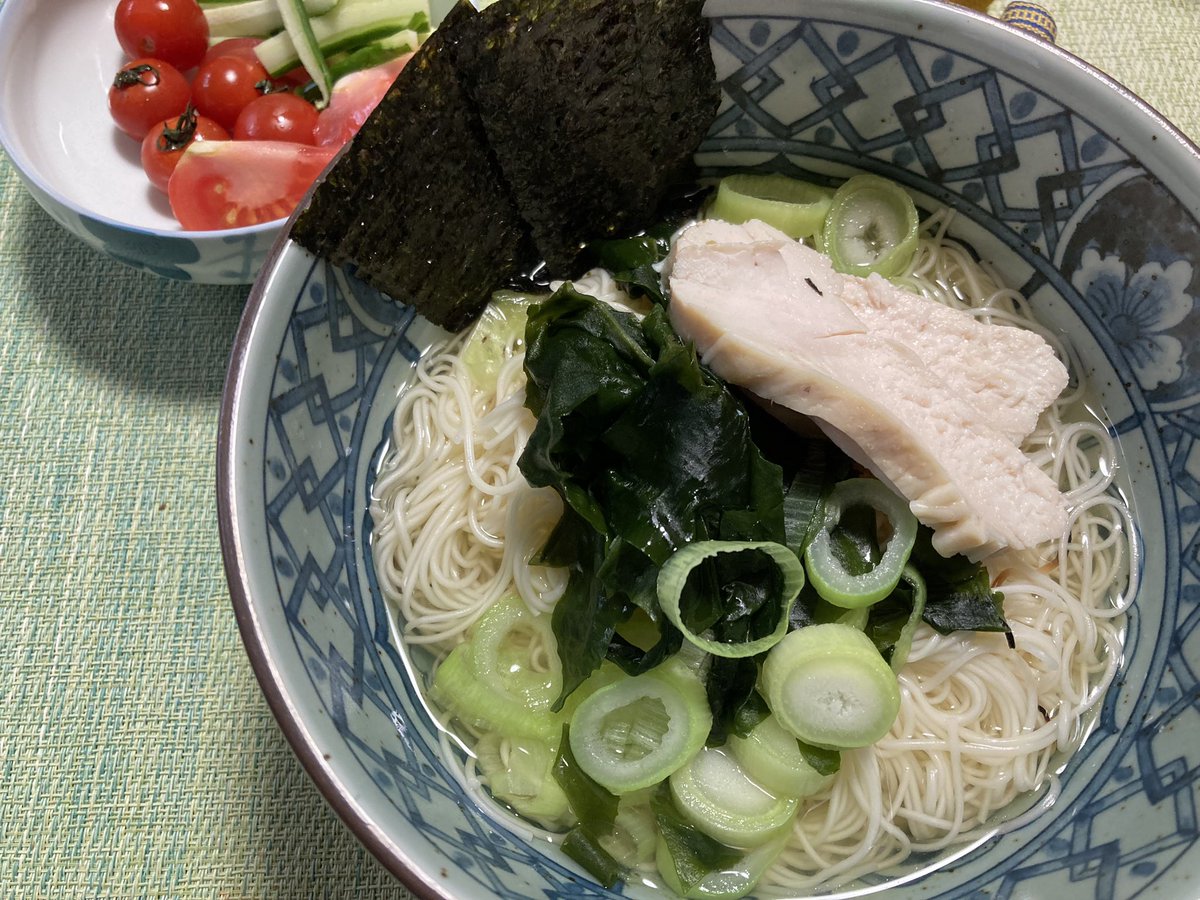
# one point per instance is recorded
(1041, 192)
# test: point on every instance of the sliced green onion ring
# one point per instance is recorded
(674, 573)
(904, 641)
(795, 207)
(637, 731)
(827, 573)
(828, 686)
(871, 227)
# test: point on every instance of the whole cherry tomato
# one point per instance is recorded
(144, 93)
(277, 117)
(174, 31)
(225, 85)
(164, 145)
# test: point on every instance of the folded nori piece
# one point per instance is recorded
(536, 123)
(614, 98)
(416, 204)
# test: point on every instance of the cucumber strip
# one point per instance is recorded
(730, 883)
(367, 57)
(828, 686)
(797, 208)
(504, 643)
(297, 25)
(636, 732)
(459, 691)
(829, 575)
(254, 18)
(350, 24)
(871, 226)
(673, 575)
(774, 759)
(715, 794)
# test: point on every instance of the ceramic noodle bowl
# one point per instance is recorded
(1079, 195)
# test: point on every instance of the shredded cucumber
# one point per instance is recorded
(828, 686)
(829, 575)
(255, 18)
(673, 575)
(774, 759)
(797, 208)
(350, 24)
(715, 794)
(871, 226)
(637, 731)
(297, 25)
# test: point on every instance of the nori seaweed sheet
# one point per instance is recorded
(615, 96)
(416, 204)
(516, 134)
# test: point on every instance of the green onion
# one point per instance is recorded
(829, 575)
(871, 226)
(828, 686)
(635, 732)
(716, 795)
(523, 777)
(777, 761)
(796, 208)
(673, 576)
(457, 689)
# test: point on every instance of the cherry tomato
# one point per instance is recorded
(231, 184)
(354, 97)
(224, 85)
(242, 46)
(144, 93)
(163, 146)
(171, 30)
(277, 117)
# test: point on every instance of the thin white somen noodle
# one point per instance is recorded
(980, 725)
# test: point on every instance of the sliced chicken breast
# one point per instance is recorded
(896, 386)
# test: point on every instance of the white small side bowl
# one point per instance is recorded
(57, 61)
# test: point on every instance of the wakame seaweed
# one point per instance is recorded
(649, 452)
(514, 135)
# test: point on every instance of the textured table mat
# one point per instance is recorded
(137, 757)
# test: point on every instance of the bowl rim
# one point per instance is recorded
(948, 16)
(30, 173)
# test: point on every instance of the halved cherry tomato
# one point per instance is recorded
(241, 46)
(277, 117)
(171, 30)
(230, 184)
(144, 93)
(225, 85)
(163, 146)
(352, 101)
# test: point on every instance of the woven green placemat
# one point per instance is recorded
(137, 757)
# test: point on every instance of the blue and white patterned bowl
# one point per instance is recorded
(57, 61)
(1078, 192)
